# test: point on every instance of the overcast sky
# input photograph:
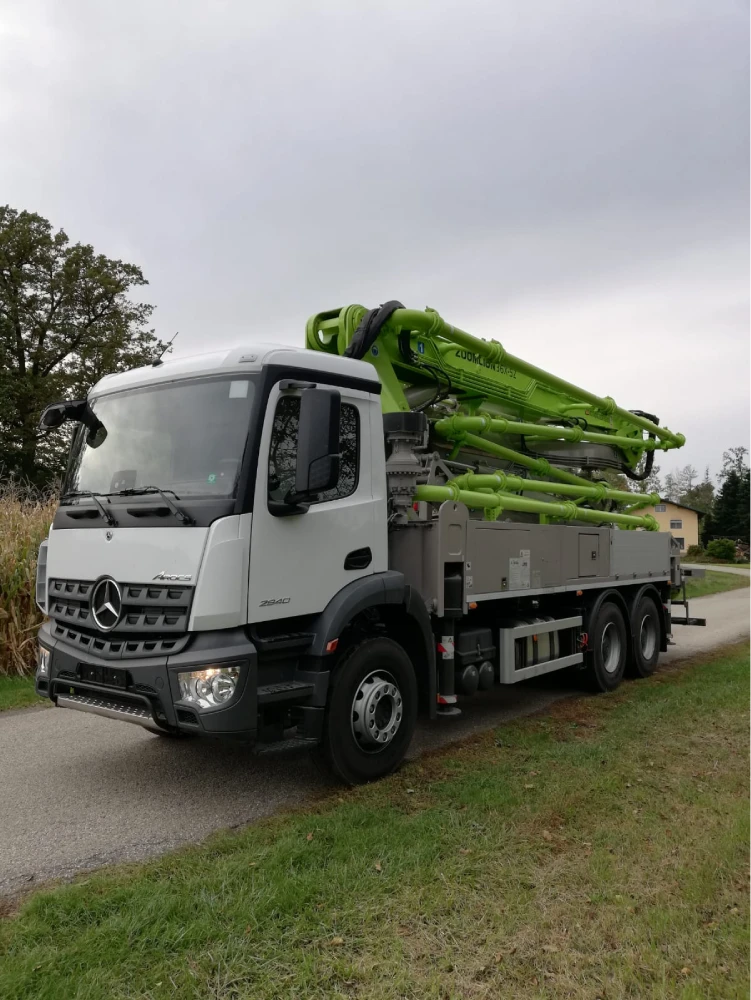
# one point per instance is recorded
(569, 177)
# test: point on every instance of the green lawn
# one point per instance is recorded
(598, 851)
(714, 582)
(18, 692)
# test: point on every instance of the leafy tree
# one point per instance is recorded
(653, 483)
(731, 509)
(733, 460)
(66, 319)
(701, 496)
(744, 507)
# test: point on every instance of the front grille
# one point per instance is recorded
(153, 621)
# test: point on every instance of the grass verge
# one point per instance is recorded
(599, 851)
(714, 583)
(18, 692)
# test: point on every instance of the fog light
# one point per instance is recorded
(209, 687)
(43, 662)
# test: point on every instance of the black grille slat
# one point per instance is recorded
(116, 649)
(154, 618)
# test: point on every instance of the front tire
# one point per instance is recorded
(371, 711)
(608, 648)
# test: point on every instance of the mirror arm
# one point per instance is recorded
(285, 508)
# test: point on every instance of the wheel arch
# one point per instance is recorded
(649, 590)
(401, 609)
(600, 597)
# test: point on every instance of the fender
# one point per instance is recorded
(616, 597)
(386, 590)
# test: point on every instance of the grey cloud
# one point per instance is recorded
(513, 165)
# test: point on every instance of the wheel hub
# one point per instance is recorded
(376, 711)
(610, 647)
(648, 637)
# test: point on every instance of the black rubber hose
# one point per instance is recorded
(640, 477)
(369, 328)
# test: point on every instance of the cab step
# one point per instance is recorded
(281, 746)
(284, 691)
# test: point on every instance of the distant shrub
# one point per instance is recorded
(694, 552)
(721, 548)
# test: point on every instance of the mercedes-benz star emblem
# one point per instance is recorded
(106, 604)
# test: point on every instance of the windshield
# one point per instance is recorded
(188, 437)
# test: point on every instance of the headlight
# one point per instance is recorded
(210, 687)
(43, 662)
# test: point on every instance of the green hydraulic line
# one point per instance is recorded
(432, 325)
(495, 503)
(502, 482)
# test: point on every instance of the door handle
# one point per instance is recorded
(358, 559)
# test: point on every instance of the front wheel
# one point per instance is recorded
(371, 712)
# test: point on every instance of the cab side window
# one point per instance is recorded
(283, 451)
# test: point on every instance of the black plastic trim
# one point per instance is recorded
(85, 515)
(367, 592)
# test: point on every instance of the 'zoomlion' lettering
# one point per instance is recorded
(477, 359)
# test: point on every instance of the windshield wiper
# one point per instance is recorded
(106, 514)
(181, 516)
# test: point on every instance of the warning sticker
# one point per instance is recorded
(518, 573)
(446, 647)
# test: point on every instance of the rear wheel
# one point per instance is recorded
(371, 712)
(645, 637)
(608, 648)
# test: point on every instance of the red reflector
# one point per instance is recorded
(331, 646)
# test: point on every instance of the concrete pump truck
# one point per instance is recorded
(309, 547)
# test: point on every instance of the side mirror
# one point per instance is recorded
(53, 416)
(79, 410)
(318, 455)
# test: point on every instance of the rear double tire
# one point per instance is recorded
(371, 712)
(645, 637)
(608, 647)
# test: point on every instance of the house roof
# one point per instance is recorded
(685, 506)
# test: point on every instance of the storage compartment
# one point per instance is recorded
(474, 645)
(589, 554)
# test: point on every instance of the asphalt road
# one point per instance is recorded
(78, 791)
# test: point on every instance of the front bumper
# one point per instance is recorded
(149, 694)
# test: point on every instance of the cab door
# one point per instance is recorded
(299, 561)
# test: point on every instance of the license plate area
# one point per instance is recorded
(112, 677)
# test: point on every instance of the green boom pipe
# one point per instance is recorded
(499, 425)
(501, 481)
(539, 465)
(504, 501)
(432, 325)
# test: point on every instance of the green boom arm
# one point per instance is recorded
(498, 394)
